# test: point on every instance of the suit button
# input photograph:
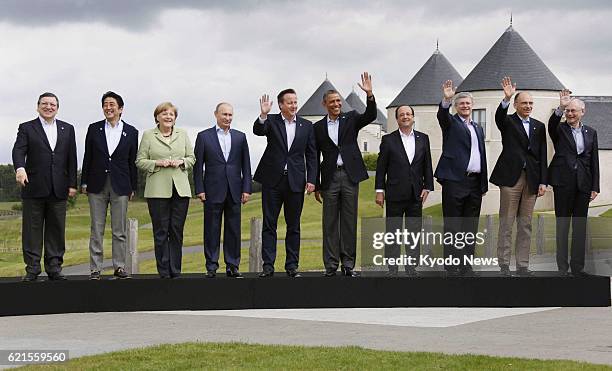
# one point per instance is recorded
(109, 159)
(106, 171)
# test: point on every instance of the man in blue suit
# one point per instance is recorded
(223, 185)
(109, 176)
(287, 167)
(462, 171)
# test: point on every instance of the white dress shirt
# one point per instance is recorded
(290, 129)
(50, 131)
(333, 127)
(113, 135)
(225, 141)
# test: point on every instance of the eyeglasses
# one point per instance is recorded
(572, 110)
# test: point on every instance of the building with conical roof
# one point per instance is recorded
(422, 92)
(511, 56)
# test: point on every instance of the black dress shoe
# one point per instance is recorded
(329, 273)
(349, 272)
(412, 272)
(563, 273)
(293, 273)
(233, 272)
(266, 274)
(468, 272)
(121, 274)
(524, 272)
(57, 276)
(211, 274)
(581, 274)
(504, 271)
(391, 273)
(451, 272)
(30, 277)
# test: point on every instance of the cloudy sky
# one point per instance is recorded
(198, 53)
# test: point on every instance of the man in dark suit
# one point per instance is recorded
(287, 167)
(520, 174)
(462, 171)
(109, 176)
(45, 161)
(341, 171)
(574, 175)
(223, 185)
(404, 177)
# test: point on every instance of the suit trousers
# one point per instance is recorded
(404, 214)
(461, 201)
(516, 203)
(213, 214)
(272, 199)
(571, 205)
(168, 218)
(43, 219)
(98, 206)
(340, 202)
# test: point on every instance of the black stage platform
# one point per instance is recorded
(194, 292)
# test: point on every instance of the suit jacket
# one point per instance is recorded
(160, 179)
(120, 166)
(400, 178)
(50, 172)
(520, 150)
(301, 158)
(220, 175)
(456, 145)
(350, 124)
(566, 163)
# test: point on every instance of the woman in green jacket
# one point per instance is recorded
(166, 154)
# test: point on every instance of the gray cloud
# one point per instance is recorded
(196, 54)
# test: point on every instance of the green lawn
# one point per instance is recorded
(238, 356)
(78, 224)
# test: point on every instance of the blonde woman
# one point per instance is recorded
(166, 154)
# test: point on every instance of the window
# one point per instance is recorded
(479, 116)
(365, 146)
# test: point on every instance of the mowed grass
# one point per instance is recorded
(239, 356)
(78, 227)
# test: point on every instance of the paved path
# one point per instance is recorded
(546, 333)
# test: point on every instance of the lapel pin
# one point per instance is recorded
(61, 127)
(124, 134)
(101, 129)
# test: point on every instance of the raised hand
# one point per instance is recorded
(509, 88)
(564, 98)
(448, 90)
(265, 104)
(366, 83)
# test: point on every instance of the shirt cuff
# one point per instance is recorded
(380, 191)
(260, 120)
(20, 168)
(558, 112)
(505, 104)
(446, 103)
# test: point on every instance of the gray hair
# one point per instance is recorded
(461, 95)
(579, 101)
